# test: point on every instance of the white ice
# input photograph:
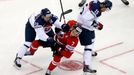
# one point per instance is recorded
(114, 44)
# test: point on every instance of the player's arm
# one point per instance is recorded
(60, 25)
(97, 25)
(37, 26)
(44, 40)
(56, 22)
(40, 32)
(88, 19)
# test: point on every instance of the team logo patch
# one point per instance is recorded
(70, 65)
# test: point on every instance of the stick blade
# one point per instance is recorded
(67, 11)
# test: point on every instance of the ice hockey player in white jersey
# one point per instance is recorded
(39, 24)
(88, 18)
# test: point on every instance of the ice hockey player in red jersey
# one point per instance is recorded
(58, 38)
(65, 45)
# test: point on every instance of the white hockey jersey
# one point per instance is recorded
(89, 13)
(42, 27)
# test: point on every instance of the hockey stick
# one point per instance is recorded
(63, 13)
(125, 2)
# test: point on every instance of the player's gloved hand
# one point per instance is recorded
(100, 26)
(57, 48)
(50, 41)
(97, 25)
(65, 27)
(57, 30)
(59, 33)
(55, 52)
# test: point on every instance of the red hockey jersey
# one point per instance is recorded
(69, 44)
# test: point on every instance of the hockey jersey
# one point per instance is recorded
(89, 13)
(41, 26)
(68, 44)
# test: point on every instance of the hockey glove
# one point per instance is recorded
(97, 25)
(100, 26)
(50, 42)
(57, 30)
(57, 48)
(65, 27)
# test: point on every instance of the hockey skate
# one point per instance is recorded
(87, 70)
(94, 53)
(48, 72)
(82, 3)
(17, 64)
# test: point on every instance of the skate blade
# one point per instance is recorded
(18, 68)
(87, 73)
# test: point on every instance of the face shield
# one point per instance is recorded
(47, 17)
(76, 32)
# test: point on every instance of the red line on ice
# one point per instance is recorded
(38, 68)
(98, 50)
(104, 63)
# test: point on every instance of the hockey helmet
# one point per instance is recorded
(71, 23)
(45, 12)
(108, 4)
(74, 25)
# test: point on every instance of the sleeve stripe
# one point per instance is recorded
(70, 47)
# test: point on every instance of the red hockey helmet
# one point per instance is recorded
(74, 25)
(71, 23)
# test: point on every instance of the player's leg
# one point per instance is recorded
(29, 37)
(88, 59)
(86, 39)
(33, 48)
(82, 3)
(21, 52)
(53, 64)
(36, 43)
(94, 53)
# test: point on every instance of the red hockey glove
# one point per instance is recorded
(99, 26)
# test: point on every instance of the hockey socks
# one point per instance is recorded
(33, 48)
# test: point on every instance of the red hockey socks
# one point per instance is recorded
(34, 47)
(55, 62)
